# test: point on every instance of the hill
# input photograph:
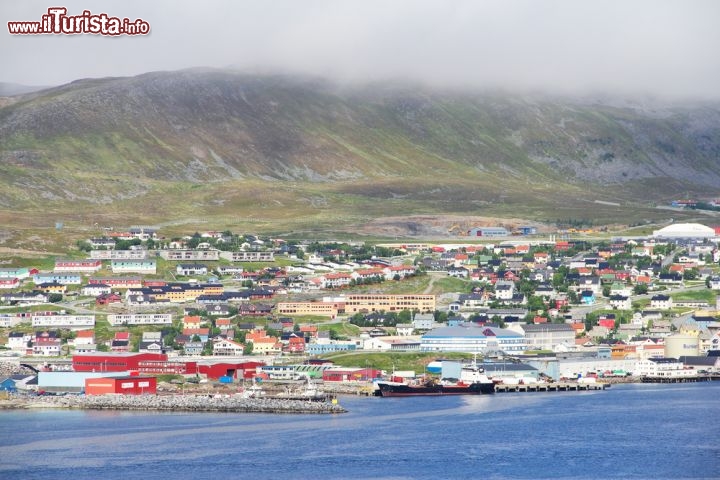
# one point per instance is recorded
(232, 148)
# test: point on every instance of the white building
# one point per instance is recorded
(504, 290)
(620, 302)
(96, 289)
(133, 266)
(546, 336)
(668, 368)
(64, 321)
(140, 319)
(661, 302)
(227, 348)
(685, 230)
(249, 256)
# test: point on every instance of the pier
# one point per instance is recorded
(550, 387)
(172, 403)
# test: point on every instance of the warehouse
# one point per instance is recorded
(488, 232)
(126, 385)
(113, 362)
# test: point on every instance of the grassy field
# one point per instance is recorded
(706, 295)
(343, 329)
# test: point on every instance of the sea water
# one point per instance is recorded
(627, 431)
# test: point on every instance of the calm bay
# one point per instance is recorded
(628, 431)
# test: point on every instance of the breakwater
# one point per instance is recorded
(173, 403)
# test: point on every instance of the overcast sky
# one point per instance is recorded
(655, 47)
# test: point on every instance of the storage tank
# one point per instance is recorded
(680, 345)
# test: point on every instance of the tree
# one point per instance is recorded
(55, 298)
(248, 349)
(606, 291)
(640, 289)
(405, 316)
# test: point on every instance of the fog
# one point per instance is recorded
(652, 48)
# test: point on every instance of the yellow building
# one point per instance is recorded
(389, 303)
(266, 346)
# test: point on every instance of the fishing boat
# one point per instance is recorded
(472, 381)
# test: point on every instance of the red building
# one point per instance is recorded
(77, 265)
(123, 385)
(245, 370)
(9, 282)
(107, 298)
(162, 367)
(113, 362)
(295, 345)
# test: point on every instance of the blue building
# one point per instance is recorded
(61, 278)
(8, 385)
(473, 339)
(321, 348)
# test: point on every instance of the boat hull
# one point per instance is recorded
(394, 390)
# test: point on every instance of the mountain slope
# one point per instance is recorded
(159, 135)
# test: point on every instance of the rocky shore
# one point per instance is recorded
(172, 403)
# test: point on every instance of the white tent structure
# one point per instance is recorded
(685, 230)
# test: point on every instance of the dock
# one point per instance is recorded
(550, 387)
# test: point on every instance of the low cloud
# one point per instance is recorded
(658, 48)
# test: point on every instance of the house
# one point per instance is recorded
(95, 289)
(661, 302)
(151, 342)
(587, 297)
(504, 290)
(51, 288)
(46, 343)
(714, 283)
(121, 342)
(267, 346)
(108, 298)
(295, 344)
(194, 349)
(191, 269)
(191, 321)
(404, 329)
(18, 341)
(424, 321)
(620, 302)
(670, 278)
(7, 384)
(84, 338)
(202, 333)
(218, 309)
(227, 348)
